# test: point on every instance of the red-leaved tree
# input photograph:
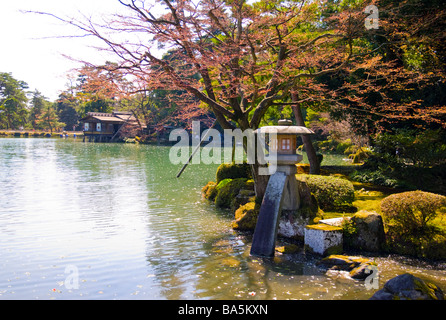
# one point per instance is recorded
(239, 58)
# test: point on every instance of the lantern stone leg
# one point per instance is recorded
(265, 234)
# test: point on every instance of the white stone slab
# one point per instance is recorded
(337, 222)
(323, 239)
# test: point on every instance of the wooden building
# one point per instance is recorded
(105, 127)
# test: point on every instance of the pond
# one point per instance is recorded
(112, 221)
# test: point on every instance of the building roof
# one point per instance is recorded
(115, 117)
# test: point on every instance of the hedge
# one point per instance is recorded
(332, 193)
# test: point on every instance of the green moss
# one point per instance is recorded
(227, 193)
(323, 226)
(334, 250)
(222, 183)
(288, 248)
(233, 171)
(428, 288)
(246, 216)
(210, 190)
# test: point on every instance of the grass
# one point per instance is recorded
(367, 197)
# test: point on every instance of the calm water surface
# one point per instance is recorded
(111, 221)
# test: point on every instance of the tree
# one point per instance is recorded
(49, 119)
(66, 107)
(405, 88)
(38, 105)
(252, 56)
(247, 56)
(13, 109)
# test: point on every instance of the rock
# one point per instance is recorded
(243, 197)
(288, 248)
(246, 216)
(363, 271)
(228, 189)
(341, 262)
(369, 235)
(358, 268)
(292, 222)
(408, 287)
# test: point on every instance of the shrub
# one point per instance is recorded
(331, 193)
(233, 171)
(375, 177)
(411, 211)
(360, 155)
(343, 145)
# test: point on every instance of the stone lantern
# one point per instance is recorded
(282, 191)
(285, 144)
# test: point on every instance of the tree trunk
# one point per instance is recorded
(315, 166)
(260, 181)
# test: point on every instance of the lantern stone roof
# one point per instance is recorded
(281, 129)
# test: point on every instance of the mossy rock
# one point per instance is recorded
(233, 171)
(210, 190)
(343, 263)
(408, 287)
(246, 216)
(364, 231)
(222, 183)
(288, 248)
(227, 193)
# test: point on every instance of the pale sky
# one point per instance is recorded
(30, 49)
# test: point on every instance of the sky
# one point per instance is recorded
(32, 45)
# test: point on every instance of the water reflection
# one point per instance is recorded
(134, 231)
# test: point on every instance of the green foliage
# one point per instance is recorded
(332, 193)
(411, 148)
(67, 106)
(343, 145)
(13, 111)
(407, 159)
(411, 211)
(328, 145)
(360, 155)
(415, 224)
(233, 171)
